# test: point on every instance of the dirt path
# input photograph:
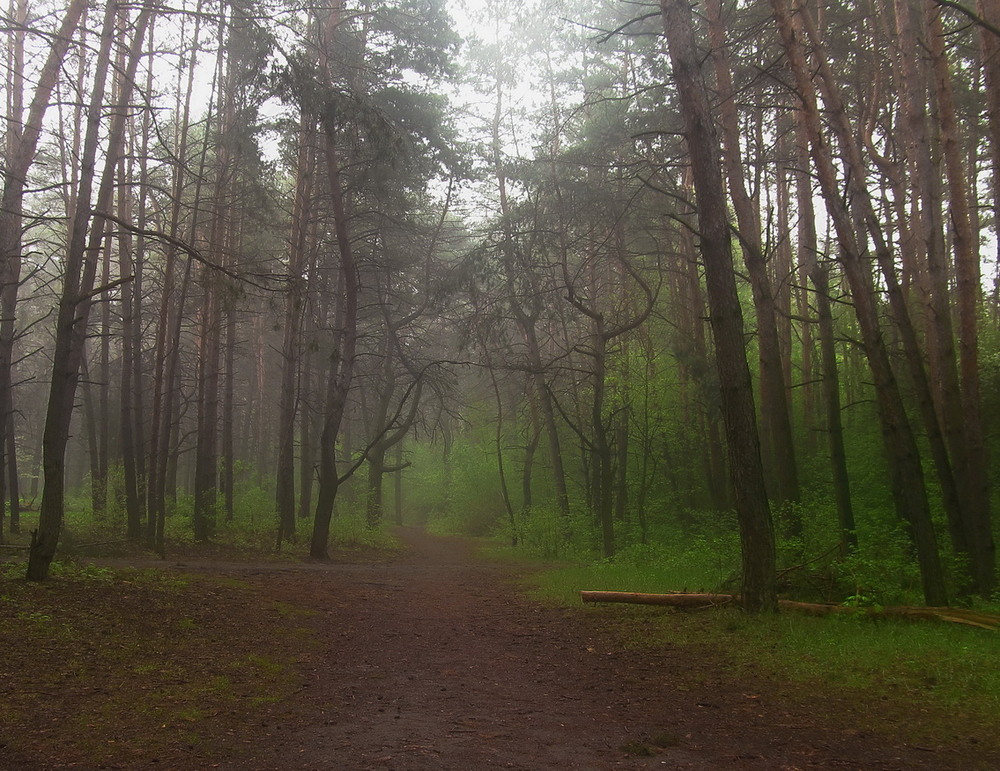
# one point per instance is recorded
(433, 661)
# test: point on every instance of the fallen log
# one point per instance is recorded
(696, 601)
(675, 600)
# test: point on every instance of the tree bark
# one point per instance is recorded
(819, 274)
(77, 293)
(774, 407)
(21, 144)
(341, 370)
(974, 480)
(291, 344)
(746, 470)
(906, 473)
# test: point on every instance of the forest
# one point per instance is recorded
(711, 283)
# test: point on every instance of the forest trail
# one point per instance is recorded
(434, 660)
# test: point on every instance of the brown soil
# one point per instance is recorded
(434, 660)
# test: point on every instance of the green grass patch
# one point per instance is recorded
(350, 531)
(952, 666)
(702, 567)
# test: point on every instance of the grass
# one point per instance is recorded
(698, 568)
(949, 674)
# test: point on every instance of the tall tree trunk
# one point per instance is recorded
(397, 498)
(498, 453)
(819, 274)
(228, 459)
(906, 473)
(974, 479)
(746, 470)
(206, 452)
(774, 408)
(172, 302)
(341, 371)
(989, 10)
(306, 443)
(13, 482)
(77, 293)
(292, 344)
(947, 431)
(533, 434)
(21, 144)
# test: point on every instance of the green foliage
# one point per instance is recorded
(253, 504)
(351, 531)
(78, 572)
(546, 532)
(704, 563)
(882, 569)
(426, 493)
(67, 569)
(460, 497)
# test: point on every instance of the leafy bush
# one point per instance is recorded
(546, 532)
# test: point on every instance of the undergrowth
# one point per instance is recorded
(251, 533)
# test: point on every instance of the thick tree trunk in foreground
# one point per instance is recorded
(746, 470)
